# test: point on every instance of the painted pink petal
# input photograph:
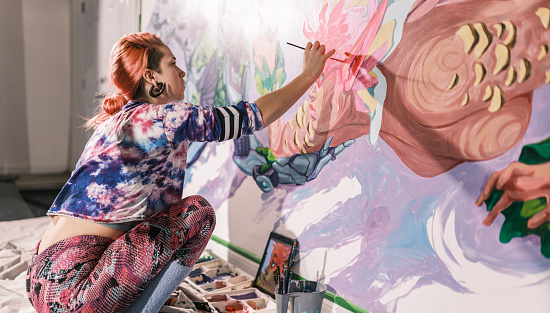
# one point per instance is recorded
(336, 12)
(308, 31)
(362, 45)
(371, 5)
(364, 79)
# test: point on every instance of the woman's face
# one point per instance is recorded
(172, 76)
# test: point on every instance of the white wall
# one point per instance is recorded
(47, 79)
(14, 154)
(147, 8)
(53, 61)
(34, 86)
(95, 27)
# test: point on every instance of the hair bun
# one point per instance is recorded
(114, 103)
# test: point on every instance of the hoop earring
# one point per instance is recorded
(157, 90)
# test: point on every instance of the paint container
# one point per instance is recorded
(222, 272)
(201, 279)
(217, 298)
(245, 296)
(304, 296)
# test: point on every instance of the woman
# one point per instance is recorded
(119, 223)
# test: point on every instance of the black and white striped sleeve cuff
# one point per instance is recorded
(230, 121)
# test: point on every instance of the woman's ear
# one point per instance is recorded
(149, 77)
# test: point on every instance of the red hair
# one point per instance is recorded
(129, 59)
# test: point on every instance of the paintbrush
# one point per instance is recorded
(290, 268)
(281, 278)
(284, 278)
(276, 279)
(288, 43)
(290, 271)
(281, 284)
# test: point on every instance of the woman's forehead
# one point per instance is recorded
(168, 53)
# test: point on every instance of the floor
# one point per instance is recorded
(27, 196)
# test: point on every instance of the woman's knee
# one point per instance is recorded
(195, 207)
(194, 202)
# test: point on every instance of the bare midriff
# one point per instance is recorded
(63, 227)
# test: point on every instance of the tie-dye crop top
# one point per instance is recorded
(133, 166)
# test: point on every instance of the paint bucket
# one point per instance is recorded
(305, 296)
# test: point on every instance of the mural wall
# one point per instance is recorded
(432, 114)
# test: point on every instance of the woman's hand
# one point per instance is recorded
(314, 59)
(519, 182)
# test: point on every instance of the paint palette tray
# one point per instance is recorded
(244, 300)
(218, 275)
(207, 256)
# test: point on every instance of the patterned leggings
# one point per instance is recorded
(96, 274)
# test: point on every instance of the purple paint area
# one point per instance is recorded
(224, 276)
(222, 272)
(395, 212)
(201, 279)
(195, 272)
(246, 296)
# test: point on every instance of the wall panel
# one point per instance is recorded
(378, 168)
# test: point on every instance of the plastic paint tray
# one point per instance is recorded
(233, 290)
(251, 298)
(239, 306)
(254, 302)
(218, 275)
